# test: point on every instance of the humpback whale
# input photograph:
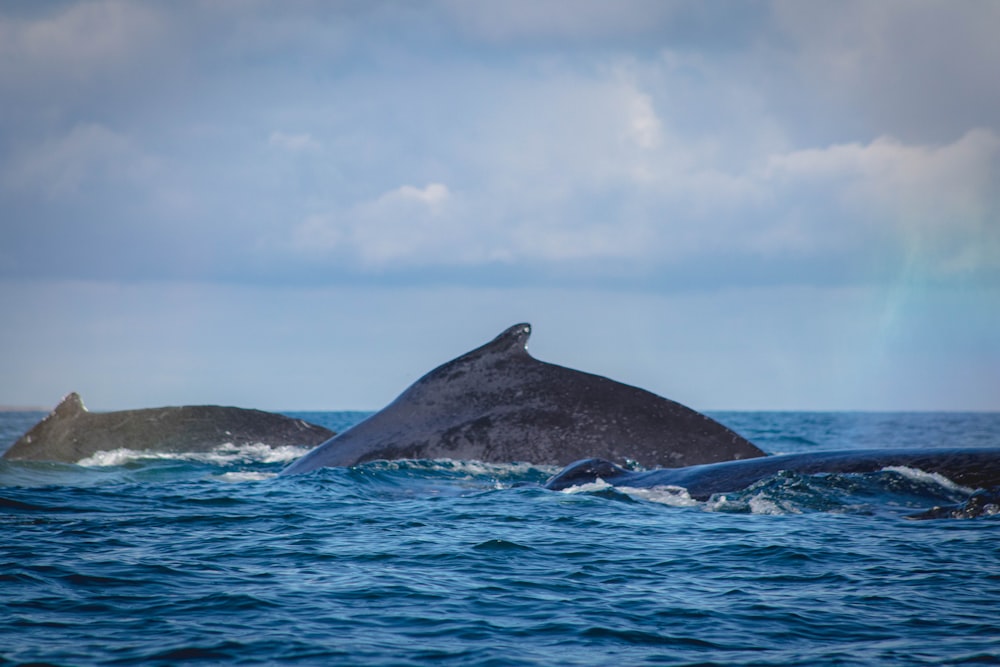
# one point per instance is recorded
(982, 503)
(971, 467)
(71, 433)
(499, 404)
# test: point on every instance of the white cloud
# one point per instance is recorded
(852, 203)
(317, 234)
(919, 70)
(561, 139)
(645, 125)
(294, 143)
(88, 153)
(80, 41)
(408, 224)
(940, 203)
(580, 20)
(434, 195)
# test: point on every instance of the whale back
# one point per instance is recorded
(499, 404)
(71, 433)
(970, 467)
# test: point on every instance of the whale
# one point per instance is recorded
(985, 502)
(499, 404)
(71, 433)
(975, 468)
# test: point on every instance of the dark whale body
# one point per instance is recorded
(972, 467)
(499, 404)
(71, 432)
(982, 503)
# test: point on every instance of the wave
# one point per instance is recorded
(893, 489)
(456, 466)
(425, 478)
(225, 454)
(246, 476)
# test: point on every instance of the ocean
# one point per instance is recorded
(212, 559)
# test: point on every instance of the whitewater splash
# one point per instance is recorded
(793, 493)
(225, 454)
(892, 489)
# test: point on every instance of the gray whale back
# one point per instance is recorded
(499, 404)
(971, 467)
(71, 433)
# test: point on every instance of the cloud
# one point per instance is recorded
(408, 225)
(645, 124)
(564, 141)
(865, 207)
(636, 23)
(919, 70)
(78, 42)
(434, 195)
(58, 60)
(586, 19)
(294, 143)
(87, 155)
(939, 203)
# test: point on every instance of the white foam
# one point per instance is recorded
(759, 504)
(470, 468)
(479, 468)
(597, 485)
(259, 452)
(246, 476)
(918, 475)
(721, 503)
(113, 457)
(675, 496)
(224, 454)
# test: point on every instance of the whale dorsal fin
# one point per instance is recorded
(512, 338)
(70, 406)
(510, 343)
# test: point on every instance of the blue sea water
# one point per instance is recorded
(212, 559)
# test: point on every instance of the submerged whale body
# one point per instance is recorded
(71, 433)
(974, 468)
(498, 404)
(982, 503)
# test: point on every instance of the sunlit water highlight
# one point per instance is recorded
(213, 559)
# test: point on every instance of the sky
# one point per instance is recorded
(306, 205)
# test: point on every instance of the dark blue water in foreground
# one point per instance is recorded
(213, 560)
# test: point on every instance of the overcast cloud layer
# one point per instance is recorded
(646, 149)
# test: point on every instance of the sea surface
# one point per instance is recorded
(211, 559)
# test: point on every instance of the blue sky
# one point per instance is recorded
(307, 205)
